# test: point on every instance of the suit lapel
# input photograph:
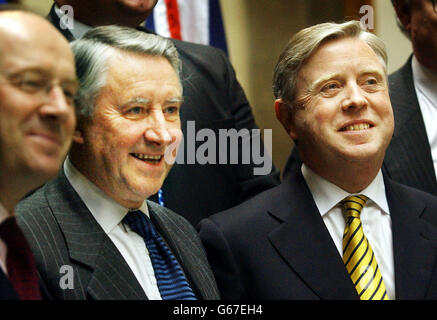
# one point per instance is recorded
(111, 277)
(306, 245)
(408, 159)
(414, 243)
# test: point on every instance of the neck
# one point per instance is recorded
(428, 63)
(351, 176)
(94, 21)
(9, 196)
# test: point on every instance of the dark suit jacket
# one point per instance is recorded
(7, 292)
(61, 231)
(276, 246)
(214, 99)
(408, 158)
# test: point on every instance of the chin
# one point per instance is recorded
(45, 168)
(147, 189)
(138, 6)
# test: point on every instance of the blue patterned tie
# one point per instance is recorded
(169, 276)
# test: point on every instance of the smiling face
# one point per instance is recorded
(37, 116)
(346, 114)
(136, 118)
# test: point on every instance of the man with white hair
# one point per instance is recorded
(213, 100)
(92, 230)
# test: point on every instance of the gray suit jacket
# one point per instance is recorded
(408, 158)
(62, 231)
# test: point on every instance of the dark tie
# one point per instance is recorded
(171, 280)
(21, 266)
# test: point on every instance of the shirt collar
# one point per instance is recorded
(327, 195)
(79, 28)
(105, 210)
(425, 81)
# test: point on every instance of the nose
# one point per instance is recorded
(157, 133)
(354, 98)
(56, 105)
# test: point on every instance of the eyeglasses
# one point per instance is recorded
(36, 82)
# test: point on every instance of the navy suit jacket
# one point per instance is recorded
(214, 99)
(276, 246)
(6, 290)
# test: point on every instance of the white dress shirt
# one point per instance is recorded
(375, 218)
(109, 215)
(3, 249)
(425, 83)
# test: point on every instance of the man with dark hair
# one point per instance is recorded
(213, 99)
(411, 157)
(37, 120)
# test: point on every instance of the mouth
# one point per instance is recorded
(46, 137)
(357, 127)
(148, 158)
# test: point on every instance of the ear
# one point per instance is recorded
(403, 11)
(77, 137)
(283, 114)
(81, 123)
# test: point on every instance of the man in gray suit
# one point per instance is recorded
(80, 225)
(411, 157)
(213, 100)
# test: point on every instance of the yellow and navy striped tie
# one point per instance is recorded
(358, 256)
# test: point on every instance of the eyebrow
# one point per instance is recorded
(333, 75)
(320, 80)
(143, 100)
(44, 73)
(175, 100)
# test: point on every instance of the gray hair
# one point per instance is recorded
(95, 47)
(305, 42)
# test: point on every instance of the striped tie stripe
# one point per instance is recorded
(170, 279)
(358, 255)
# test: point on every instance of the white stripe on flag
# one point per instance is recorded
(194, 16)
(160, 19)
